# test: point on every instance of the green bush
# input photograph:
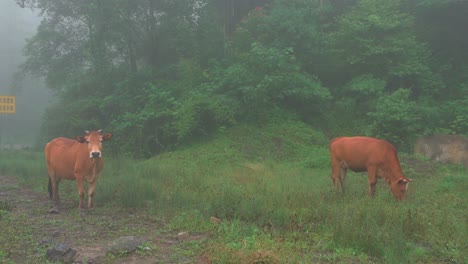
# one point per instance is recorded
(395, 118)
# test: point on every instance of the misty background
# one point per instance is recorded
(163, 74)
(20, 129)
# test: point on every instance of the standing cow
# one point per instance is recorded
(377, 157)
(80, 160)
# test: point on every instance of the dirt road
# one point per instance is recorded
(28, 230)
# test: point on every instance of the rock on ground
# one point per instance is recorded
(62, 253)
(124, 244)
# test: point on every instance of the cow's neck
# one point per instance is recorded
(390, 175)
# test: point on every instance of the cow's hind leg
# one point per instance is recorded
(335, 173)
(343, 172)
(53, 187)
(338, 175)
(53, 192)
(50, 188)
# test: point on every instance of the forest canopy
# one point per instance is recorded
(163, 73)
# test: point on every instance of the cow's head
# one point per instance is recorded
(94, 140)
(399, 187)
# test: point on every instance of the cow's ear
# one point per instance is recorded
(404, 181)
(107, 136)
(80, 139)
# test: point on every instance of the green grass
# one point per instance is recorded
(18, 234)
(271, 188)
(28, 166)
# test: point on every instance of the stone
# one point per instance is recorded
(54, 210)
(215, 220)
(62, 253)
(124, 244)
(183, 236)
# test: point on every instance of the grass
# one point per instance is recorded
(271, 188)
(29, 167)
(18, 232)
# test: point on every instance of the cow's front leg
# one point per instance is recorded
(91, 188)
(371, 173)
(79, 184)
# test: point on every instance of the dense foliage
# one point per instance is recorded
(161, 73)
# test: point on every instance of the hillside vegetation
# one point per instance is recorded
(164, 74)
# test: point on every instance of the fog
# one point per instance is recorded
(19, 129)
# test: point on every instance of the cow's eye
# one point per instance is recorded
(87, 141)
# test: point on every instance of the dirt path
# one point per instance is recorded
(90, 234)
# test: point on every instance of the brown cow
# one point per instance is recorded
(377, 157)
(79, 160)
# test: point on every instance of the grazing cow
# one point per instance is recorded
(80, 160)
(377, 157)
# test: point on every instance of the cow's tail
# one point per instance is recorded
(50, 188)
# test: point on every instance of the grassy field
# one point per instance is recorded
(272, 190)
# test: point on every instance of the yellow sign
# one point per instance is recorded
(7, 104)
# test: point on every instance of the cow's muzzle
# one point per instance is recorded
(95, 154)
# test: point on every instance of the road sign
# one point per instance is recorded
(7, 104)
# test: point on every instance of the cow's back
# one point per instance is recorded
(360, 152)
(61, 154)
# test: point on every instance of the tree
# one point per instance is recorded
(378, 38)
(442, 25)
(395, 118)
(162, 73)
